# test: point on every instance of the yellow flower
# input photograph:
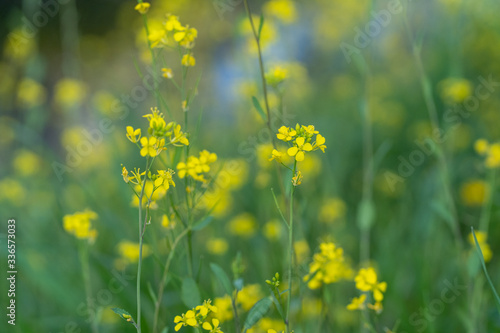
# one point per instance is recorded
(129, 251)
(276, 75)
(133, 135)
(493, 157)
(474, 193)
(455, 90)
(328, 266)
(332, 210)
(179, 137)
(249, 295)
(357, 303)
(148, 146)
(188, 60)
(224, 307)
(319, 143)
(366, 280)
(481, 146)
(243, 225)
(164, 179)
(142, 7)
(187, 319)
(285, 134)
(186, 36)
(80, 226)
(173, 23)
(217, 246)
(26, 163)
(273, 230)
(481, 237)
(157, 125)
(70, 93)
(167, 73)
(31, 94)
(276, 155)
(283, 10)
(299, 148)
(126, 179)
(213, 329)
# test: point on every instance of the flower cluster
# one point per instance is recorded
(80, 226)
(328, 266)
(197, 318)
(367, 280)
(196, 167)
(299, 140)
(173, 34)
(161, 134)
(490, 151)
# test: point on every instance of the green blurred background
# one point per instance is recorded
(68, 68)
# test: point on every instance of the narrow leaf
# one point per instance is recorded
(258, 311)
(257, 106)
(481, 258)
(124, 314)
(222, 277)
(203, 223)
(190, 294)
(261, 25)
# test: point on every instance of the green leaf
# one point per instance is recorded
(256, 104)
(124, 314)
(279, 307)
(203, 223)
(222, 277)
(481, 258)
(261, 25)
(190, 294)
(258, 311)
(152, 293)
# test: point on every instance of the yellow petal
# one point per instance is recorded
(292, 151)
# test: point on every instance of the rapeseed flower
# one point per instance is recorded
(79, 224)
(142, 7)
(328, 266)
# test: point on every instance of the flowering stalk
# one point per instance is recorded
(141, 239)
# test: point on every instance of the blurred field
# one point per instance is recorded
(401, 90)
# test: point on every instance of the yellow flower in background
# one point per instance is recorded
(129, 251)
(133, 135)
(172, 23)
(148, 146)
(474, 193)
(276, 155)
(333, 209)
(157, 37)
(30, 94)
(12, 191)
(196, 317)
(357, 303)
(249, 295)
(188, 60)
(481, 146)
(367, 280)
(273, 230)
(328, 266)
(267, 324)
(283, 10)
(302, 250)
(217, 246)
(186, 36)
(243, 225)
(455, 90)
(168, 222)
(103, 101)
(70, 93)
(276, 75)
(167, 73)
(224, 308)
(179, 138)
(79, 224)
(142, 7)
(482, 238)
(26, 163)
(196, 167)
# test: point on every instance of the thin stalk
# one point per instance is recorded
(290, 252)
(84, 261)
(264, 88)
(235, 313)
(164, 279)
(433, 116)
(141, 238)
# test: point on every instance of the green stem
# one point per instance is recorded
(84, 261)
(141, 238)
(290, 253)
(164, 279)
